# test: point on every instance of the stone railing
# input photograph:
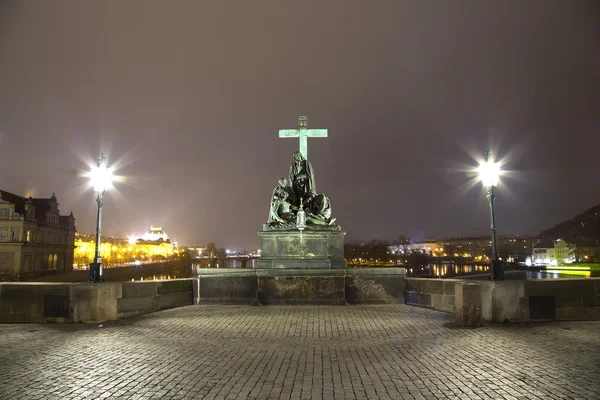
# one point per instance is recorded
(93, 303)
(515, 300)
(89, 302)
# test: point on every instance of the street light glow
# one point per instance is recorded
(489, 173)
(101, 176)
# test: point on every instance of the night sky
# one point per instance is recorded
(186, 98)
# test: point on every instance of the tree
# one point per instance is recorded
(211, 250)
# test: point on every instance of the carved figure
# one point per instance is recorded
(299, 193)
(302, 178)
(280, 213)
(318, 211)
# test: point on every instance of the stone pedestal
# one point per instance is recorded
(301, 286)
(468, 304)
(312, 249)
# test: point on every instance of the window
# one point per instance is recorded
(28, 236)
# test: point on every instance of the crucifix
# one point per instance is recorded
(303, 133)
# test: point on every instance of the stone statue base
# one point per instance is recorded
(320, 248)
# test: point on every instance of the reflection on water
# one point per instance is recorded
(482, 271)
(447, 270)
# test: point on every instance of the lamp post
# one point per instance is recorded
(489, 173)
(100, 179)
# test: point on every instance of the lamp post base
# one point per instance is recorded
(497, 270)
(95, 274)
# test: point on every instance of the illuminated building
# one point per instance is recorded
(553, 253)
(122, 252)
(34, 238)
(155, 234)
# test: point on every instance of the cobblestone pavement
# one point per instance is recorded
(281, 352)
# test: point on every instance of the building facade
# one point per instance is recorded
(116, 252)
(549, 252)
(34, 238)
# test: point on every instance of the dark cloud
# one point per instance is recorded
(189, 97)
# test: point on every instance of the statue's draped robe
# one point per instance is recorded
(302, 180)
(319, 210)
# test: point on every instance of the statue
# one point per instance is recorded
(300, 232)
(298, 193)
(318, 211)
(280, 213)
(302, 178)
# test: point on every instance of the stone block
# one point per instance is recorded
(449, 287)
(578, 287)
(568, 302)
(139, 304)
(425, 299)
(310, 249)
(437, 301)
(228, 289)
(468, 303)
(442, 302)
(301, 290)
(505, 305)
(570, 314)
(10, 318)
(175, 286)
(592, 313)
(432, 286)
(139, 289)
(196, 290)
(589, 301)
(524, 303)
(95, 303)
(363, 288)
(26, 301)
(172, 300)
(559, 287)
(437, 286)
(414, 284)
(426, 286)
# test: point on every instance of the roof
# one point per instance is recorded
(42, 205)
(544, 244)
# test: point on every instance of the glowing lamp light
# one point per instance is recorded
(489, 173)
(101, 176)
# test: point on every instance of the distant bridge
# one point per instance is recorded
(242, 258)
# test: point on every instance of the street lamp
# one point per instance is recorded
(489, 173)
(101, 180)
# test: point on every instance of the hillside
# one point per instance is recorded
(583, 229)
